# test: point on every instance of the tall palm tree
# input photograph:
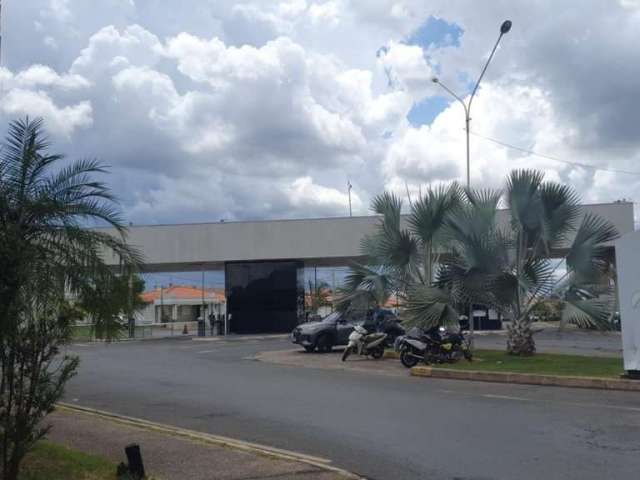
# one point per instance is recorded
(46, 252)
(544, 217)
(512, 269)
(469, 262)
(401, 254)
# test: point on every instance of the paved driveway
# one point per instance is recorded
(382, 426)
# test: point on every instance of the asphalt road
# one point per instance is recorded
(383, 427)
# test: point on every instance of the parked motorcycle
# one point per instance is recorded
(365, 343)
(435, 345)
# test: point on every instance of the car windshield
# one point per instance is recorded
(331, 318)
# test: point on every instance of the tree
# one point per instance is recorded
(45, 254)
(108, 299)
(400, 255)
(511, 268)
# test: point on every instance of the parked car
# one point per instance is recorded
(323, 335)
(335, 328)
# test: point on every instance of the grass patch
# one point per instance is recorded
(543, 364)
(50, 461)
(82, 333)
(85, 333)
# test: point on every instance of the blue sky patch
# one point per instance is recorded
(436, 32)
(425, 111)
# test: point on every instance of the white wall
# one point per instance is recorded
(332, 240)
(628, 267)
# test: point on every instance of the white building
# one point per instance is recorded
(180, 303)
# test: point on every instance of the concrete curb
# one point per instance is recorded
(528, 379)
(241, 337)
(318, 462)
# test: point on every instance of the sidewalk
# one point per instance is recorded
(183, 454)
(297, 357)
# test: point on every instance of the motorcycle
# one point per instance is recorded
(365, 343)
(435, 345)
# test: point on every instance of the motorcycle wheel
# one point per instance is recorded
(346, 353)
(468, 355)
(377, 352)
(407, 359)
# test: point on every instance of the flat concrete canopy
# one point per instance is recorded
(319, 241)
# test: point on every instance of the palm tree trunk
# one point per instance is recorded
(520, 337)
(428, 263)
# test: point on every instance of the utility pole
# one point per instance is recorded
(349, 187)
(0, 32)
(504, 29)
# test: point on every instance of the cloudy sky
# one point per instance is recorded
(215, 109)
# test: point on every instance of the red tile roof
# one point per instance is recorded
(183, 292)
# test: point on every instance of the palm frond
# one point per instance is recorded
(389, 206)
(560, 210)
(589, 254)
(588, 312)
(429, 307)
(524, 200)
(429, 213)
(376, 285)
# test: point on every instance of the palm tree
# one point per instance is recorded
(471, 253)
(46, 253)
(510, 268)
(544, 216)
(513, 269)
(400, 255)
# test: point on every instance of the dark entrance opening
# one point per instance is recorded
(264, 297)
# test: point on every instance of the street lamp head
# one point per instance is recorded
(435, 79)
(505, 27)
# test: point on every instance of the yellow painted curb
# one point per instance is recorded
(391, 354)
(218, 440)
(420, 371)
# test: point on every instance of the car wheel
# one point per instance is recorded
(310, 348)
(324, 344)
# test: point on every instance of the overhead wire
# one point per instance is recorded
(556, 159)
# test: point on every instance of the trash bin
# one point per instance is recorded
(201, 327)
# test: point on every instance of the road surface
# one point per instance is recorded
(383, 427)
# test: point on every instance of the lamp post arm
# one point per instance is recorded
(486, 65)
(451, 92)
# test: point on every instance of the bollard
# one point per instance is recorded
(134, 457)
(132, 328)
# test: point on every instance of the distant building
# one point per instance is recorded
(181, 303)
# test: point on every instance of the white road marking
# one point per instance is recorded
(544, 400)
(507, 397)
(206, 351)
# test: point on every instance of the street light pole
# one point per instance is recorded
(504, 29)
